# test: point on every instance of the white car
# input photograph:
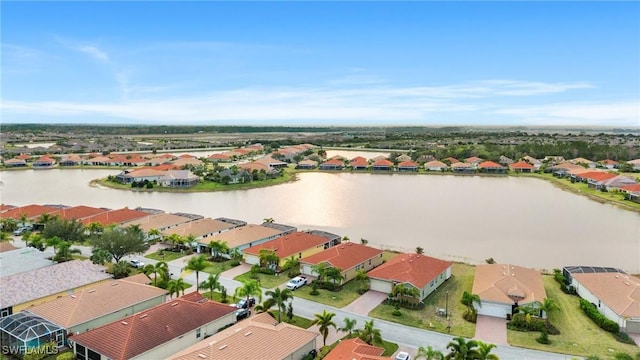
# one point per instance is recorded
(136, 263)
(403, 355)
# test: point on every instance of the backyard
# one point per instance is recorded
(579, 335)
(428, 318)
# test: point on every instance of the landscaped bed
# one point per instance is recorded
(339, 299)
(165, 255)
(266, 281)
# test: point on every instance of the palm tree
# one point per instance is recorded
(249, 288)
(155, 234)
(4, 236)
(461, 349)
(161, 269)
(54, 242)
(370, 334)
(484, 351)
(197, 264)
(217, 248)
(176, 286)
(429, 353)
(94, 228)
(212, 283)
(349, 326)
(65, 252)
(548, 305)
(334, 275)
(320, 269)
(280, 298)
(324, 321)
(292, 264)
(121, 269)
(268, 258)
(265, 306)
(267, 220)
(469, 300)
(190, 240)
(402, 291)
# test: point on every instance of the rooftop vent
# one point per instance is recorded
(124, 323)
(92, 290)
(247, 333)
(143, 316)
(73, 296)
(114, 284)
(222, 347)
(202, 356)
(174, 304)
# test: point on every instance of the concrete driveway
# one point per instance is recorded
(365, 303)
(491, 329)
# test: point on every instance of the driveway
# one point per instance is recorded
(366, 302)
(491, 329)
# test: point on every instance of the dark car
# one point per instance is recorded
(242, 314)
(242, 304)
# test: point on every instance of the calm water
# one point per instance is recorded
(518, 220)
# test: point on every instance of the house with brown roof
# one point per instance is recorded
(349, 257)
(491, 167)
(71, 160)
(521, 167)
(44, 162)
(382, 165)
(615, 293)
(77, 212)
(584, 162)
(97, 306)
(298, 245)
(268, 339)
(632, 192)
(408, 166)
(115, 217)
(423, 272)
(24, 289)
(29, 212)
(333, 164)
(462, 168)
(474, 161)
(609, 164)
(15, 162)
(202, 229)
(503, 287)
(244, 236)
(161, 222)
(435, 165)
(154, 333)
(306, 164)
(451, 160)
(635, 163)
(355, 349)
(359, 163)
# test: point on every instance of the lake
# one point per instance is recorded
(524, 221)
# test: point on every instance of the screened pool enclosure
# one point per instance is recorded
(24, 331)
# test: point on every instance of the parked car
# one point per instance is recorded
(136, 263)
(242, 314)
(296, 282)
(20, 231)
(403, 355)
(242, 304)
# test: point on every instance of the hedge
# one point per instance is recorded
(592, 312)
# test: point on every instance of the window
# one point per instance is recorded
(369, 261)
(80, 352)
(299, 255)
(92, 355)
(198, 333)
(6, 311)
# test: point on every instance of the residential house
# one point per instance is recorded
(521, 167)
(25, 289)
(382, 165)
(451, 160)
(349, 257)
(474, 161)
(298, 245)
(44, 162)
(403, 157)
(632, 192)
(77, 212)
(268, 338)
(634, 163)
(244, 237)
(503, 287)
(155, 333)
(161, 222)
(15, 163)
(422, 272)
(359, 163)
(307, 164)
(71, 160)
(29, 212)
(614, 293)
(505, 161)
(614, 183)
(533, 161)
(435, 165)
(584, 162)
(271, 162)
(115, 217)
(139, 175)
(355, 349)
(561, 169)
(491, 167)
(553, 159)
(609, 164)
(462, 168)
(94, 307)
(222, 157)
(203, 230)
(408, 166)
(235, 177)
(189, 161)
(333, 164)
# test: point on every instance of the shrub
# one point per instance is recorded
(592, 312)
(519, 322)
(314, 289)
(403, 304)
(623, 337)
(66, 356)
(622, 356)
(543, 338)
(470, 316)
(234, 262)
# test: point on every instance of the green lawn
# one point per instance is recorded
(164, 255)
(218, 297)
(579, 334)
(339, 299)
(460, 281)
(266, 281)
(298, 321)
(215, 267)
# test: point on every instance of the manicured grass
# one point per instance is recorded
(342, 298)
(215, 267)
(579, 335)
(388, 255)
(460, 281)
(164, 255)
(266, 281)
(389, 348)
(298, 321)
(217, 296)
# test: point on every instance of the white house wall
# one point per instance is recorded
(489, 308)
(584, 293)
(381, 285)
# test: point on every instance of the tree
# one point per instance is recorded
(120, 242)
(280, 298)
(363, 278)
(490, 261)
(324, 321)
(292, 264)
(53, 242)
(176, 286)
(249, 288)
(469, 300)
(212, 283)
(121, 269)
(334, 275)
(268, 258)
(461, 349)
(268, 220)
(402, 291)
(69, 230)
(217, 248)
(197, 264)
(429, 353)
(100, 256)
(94, 228)
(370, 334)
(419, 250)
(548, 306)
(320, 269)
(65, 252)
(364, 241)
(349, 326)
(34, 240)
(154, 234)
(484, 351)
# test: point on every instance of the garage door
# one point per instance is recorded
(633, 326)
(380, 285)
(493, 309)
(306, 270)
(251, 259)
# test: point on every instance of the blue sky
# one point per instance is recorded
(321, 63)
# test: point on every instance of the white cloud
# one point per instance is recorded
(579, 113)
(95, 53)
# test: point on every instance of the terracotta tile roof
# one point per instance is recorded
(597, 175)
(578, 171)
(631, 188)
(186, 156)
(382, 162)
(608, 162)
(198, 228)
(244, 235)
(618, 291)
(521, 165)
(344, 256)
(268, 340)
(23, 157)
(288, 245)
(222, 156)
(188, 161)
(490, 165)
(36, 284)
(146, 172)
(355, 349)
(435, 163)
(408, 164)
(157, 221)
(139, 333)
(359, 159)
(473, 159)
(567, 165)
(255, 166)
(496, 282)
(77, 212)
(417, 270)
(90, 303)
(31, 211)
(15, 161)
(308, 162)
(333, 162)
(140, 278)
(581, 160)
(4, 207)
(115, 216)
(359, 162)
(461, 165)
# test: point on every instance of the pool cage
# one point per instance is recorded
(23, 331)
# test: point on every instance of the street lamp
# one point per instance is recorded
(446, 308)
